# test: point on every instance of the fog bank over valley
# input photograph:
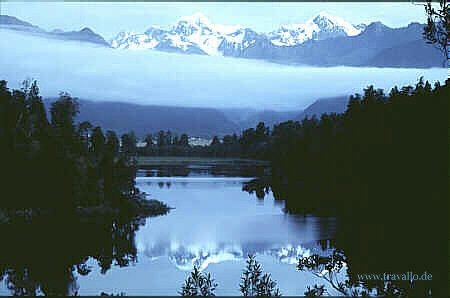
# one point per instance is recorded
(149, 77)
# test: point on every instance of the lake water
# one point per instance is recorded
(215, 226)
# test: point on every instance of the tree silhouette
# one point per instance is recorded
(255, 283)
(68, 166)
(199, 284)
(438, 26)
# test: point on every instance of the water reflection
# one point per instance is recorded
(45, 256)
(202, 171)
(214, 221)
(204, 254)
(215, 225)
(373, 242)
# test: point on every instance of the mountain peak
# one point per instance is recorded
(323, 17)
(376, 27)
(87, 30)
(377, 24)
(331, 23)
(85, 34)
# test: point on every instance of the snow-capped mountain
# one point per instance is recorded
(322, 41)
(197, 34)
(191, 34)
(320, 27)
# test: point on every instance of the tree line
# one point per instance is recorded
(57, 163)
(164, 143)
(380, 168)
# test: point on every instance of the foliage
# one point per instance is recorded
(168, 144)
(198, 284)
(68, 246)
(66, 164)
(128, 146)
(253, 143)
(378, 168)
(438, 26)
(328, 268)
(315, 291)
(254, 283)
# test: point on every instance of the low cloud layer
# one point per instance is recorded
(150, 77)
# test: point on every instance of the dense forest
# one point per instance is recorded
(380, 168)
(58, 164)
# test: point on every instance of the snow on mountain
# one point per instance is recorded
(191, 33)
(320, 27)
(197, 34)
(186, 257)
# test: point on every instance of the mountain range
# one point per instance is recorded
(323, 40)
(197, 34)
(144, 119)
(84, 35)
(200, 122)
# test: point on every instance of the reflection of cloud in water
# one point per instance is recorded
(228, 240)
(219, 223)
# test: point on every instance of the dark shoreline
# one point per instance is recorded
(136, 208)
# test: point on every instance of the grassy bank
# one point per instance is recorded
(183, 161)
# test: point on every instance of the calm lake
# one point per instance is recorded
(215, 225)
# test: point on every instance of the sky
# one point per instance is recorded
(108, 18)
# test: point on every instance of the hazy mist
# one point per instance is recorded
(150, 77)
